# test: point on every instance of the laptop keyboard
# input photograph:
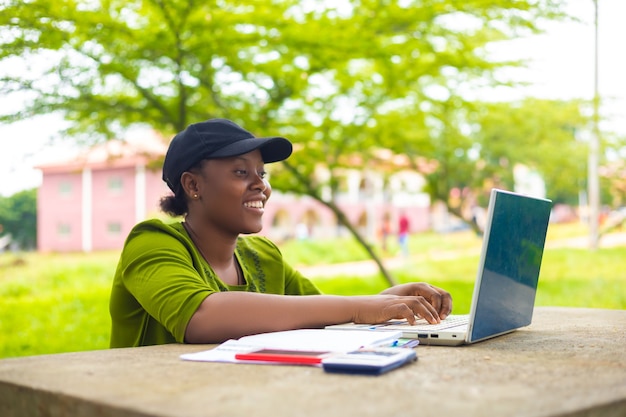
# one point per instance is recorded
(450, 321)
(421, 324)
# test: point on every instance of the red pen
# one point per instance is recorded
(284, 356)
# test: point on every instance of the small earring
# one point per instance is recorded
(195, 196)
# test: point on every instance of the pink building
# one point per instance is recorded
(91, 202)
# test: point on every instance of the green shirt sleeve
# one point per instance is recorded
(158, 285)
(161, 280)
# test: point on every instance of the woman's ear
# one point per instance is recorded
(189, 183)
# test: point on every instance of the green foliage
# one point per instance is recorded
(337, 80)
(548, 130)
(18, 218)
(309, 70)
(112, 64)
(472, 147)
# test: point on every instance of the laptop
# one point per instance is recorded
(506, 283)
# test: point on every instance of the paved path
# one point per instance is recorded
(610, 240)
(369, 267)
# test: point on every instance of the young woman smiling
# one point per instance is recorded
(200, 281)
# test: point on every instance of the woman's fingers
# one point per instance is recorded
(442, 303)
(410, 307)
(426, 310)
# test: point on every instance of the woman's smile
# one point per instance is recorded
(257, 205)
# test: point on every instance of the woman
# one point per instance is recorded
(199, 281)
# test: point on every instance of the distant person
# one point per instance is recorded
(199, 281)
(385, 231)
(403, 233)
(478, 218)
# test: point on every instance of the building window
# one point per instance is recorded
(64, 230)
(114, 228)
(115, 185)
(65, 189)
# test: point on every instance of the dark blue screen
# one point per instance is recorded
(514, 250)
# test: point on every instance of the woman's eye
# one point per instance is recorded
(244, 172)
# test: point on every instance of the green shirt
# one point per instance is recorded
(161, 280)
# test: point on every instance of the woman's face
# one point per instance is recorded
(233, 192)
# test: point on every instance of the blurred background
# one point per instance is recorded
(403, 114)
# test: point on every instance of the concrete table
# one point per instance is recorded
(569, 362)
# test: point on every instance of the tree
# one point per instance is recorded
(326, 76)
(551, 145)
(18, 218)
(613, 170)
(468, 148)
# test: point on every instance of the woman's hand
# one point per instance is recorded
(439, 299)
(383, 307)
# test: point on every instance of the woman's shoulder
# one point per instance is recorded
(158, 224)
(155, 229)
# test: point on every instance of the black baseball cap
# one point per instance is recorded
(217, 138)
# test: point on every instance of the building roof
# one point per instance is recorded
(147, 149)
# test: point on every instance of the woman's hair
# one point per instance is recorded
(176, 204)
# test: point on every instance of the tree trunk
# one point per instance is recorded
(343, 220)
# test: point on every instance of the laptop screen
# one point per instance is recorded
(515, 234)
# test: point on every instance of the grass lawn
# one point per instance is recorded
(55, 303)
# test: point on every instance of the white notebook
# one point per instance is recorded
(321, 340)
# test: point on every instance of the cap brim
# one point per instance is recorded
(272, 149)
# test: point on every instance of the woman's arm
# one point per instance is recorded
(231, 315)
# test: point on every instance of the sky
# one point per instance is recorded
(561, 66)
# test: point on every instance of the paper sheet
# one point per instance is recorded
(322, 340)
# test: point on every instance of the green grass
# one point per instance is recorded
(54, 303)
(59, 302)
(569, 277)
